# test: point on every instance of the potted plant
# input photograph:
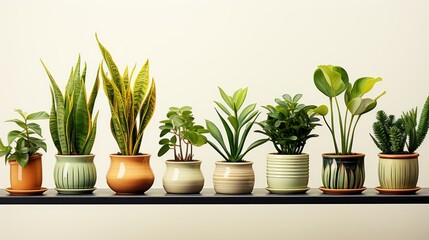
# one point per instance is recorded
(73, 130)
(21, 153)
(288, 126)
(183, 173)
(398, 170)
(234, 175)
(343, 171)
(131, 110)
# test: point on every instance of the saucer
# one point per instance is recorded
(25, 192)
(342, 191)
(75, 191)
(287, 191)
(397, 191)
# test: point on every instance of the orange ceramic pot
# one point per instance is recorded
(28, 178)
(130, 174)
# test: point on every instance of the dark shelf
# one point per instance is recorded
(208, 196)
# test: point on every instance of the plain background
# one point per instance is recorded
(272, 47)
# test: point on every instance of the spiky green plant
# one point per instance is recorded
(72, 126)
(131, 108)
(237, 121)
(389, 133)
(416, 132)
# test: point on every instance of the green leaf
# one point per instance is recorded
(321, 110)
(12, 135)
(38, 116)
(252, 146)
(216, 134)
(164, 132)
(224, 109)
(94, 93)
(91, 137)
(232, 144)
(36, 128)
(330, 80)
(113, 69)
(82, 121)
(228, 100)
(164, 141)
(141, 86)
(163, 150)
(18, 122)
(246, 111)
(363, 85)
(22, 159)
(239, 97)
(233, 122)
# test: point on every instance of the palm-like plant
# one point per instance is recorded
(131, 108)
(72, 126)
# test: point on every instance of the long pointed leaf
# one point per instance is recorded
(113, 69)
(53, 124)
(91, 137)
(232, 145)
(94, 93)
(82, 121)
(141, 87)
(216, 134)
(252, 146)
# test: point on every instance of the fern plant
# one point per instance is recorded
(71, 123)
(131, 107)
(392, 136)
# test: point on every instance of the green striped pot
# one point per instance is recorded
(343, 171)
(75, 174)
(398, 171)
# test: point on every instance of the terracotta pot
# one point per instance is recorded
(398, 171)
(75, 174)
(234, 177)
(183, 177)
(343, 171)
(287, 172)
(28, 178)
(130, 174)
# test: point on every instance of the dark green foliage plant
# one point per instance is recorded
(186, 134)
(289, 124)
(27, 140)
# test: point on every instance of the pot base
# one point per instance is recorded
(397, 191)
(75, 191)
(287, 191)
(26, 192)
(342, 191)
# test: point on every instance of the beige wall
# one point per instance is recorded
(272, 47)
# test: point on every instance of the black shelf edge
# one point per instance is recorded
(208, 196)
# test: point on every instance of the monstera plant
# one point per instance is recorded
(343, 172)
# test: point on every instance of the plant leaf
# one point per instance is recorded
(38, 116)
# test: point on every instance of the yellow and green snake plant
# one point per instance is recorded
(131, 108)
(71, 124)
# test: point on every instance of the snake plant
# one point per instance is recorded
(71, 123)
(131, 108)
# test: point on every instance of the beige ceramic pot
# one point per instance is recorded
(287, 173)
(398, 171)
(183, 177)
(234, 177)
(28, 178)
(130, 174)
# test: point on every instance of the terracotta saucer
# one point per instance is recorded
(26, 192)
(397, 191)
(287, 191)
(342, 191)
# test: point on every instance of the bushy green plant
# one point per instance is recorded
(391, 136)
(72, 126)
(332, 81)
(24, 140)
(186, 134)
(131, 108)
(289, 124)
(237, 126)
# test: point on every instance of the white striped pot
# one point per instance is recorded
(234, 177)
(287, 171)
(183, 177)
(398, 171)
(343, 171)
(75, 174)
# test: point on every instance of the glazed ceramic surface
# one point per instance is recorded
(343, 171)
(398, 171)
(183, 177)
(287, 172)
(28, 178)
(130, 174)
(233, 178)
(75, 172)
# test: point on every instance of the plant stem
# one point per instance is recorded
(332, 124)
(348, 132)
(343, 142)
(353, 135)
(180, 146)
(187, 147)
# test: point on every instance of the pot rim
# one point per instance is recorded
(129, 156)
(31, 158)
(280, 154)
(399, 156)
(183, 162)
(74, 155)
(234, 163)
(333, 155)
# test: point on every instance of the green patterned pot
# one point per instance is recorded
(75, 174)
(398, 171)
(343, 171)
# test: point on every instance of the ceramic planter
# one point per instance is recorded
(343, 172)
(287, 173)
(398, 171)
(130, 174)
(183, 177)
(75, 174)
(234, 177)
(28, 178)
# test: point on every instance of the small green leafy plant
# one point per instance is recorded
(289, 124)
(25, 142)
(237, 126)
(131, 108)
(391, 136)
(332, 81)
(186, 134)
(72, 126)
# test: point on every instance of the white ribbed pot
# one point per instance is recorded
(183, 177)
(287, 173)
(398, 171)
(234, 177)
